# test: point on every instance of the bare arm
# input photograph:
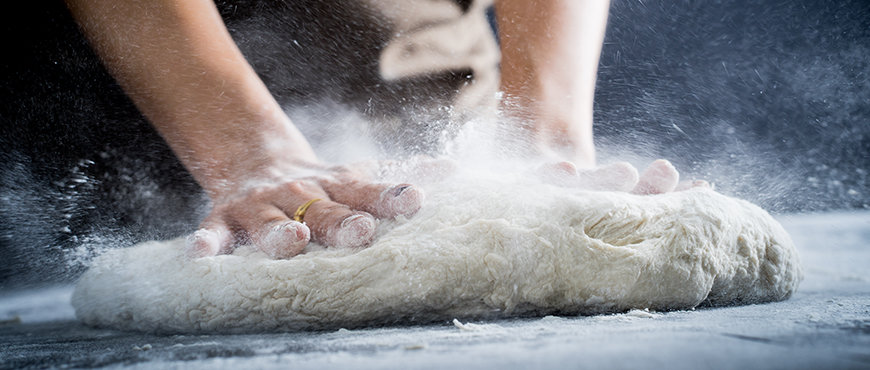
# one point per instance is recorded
(550, 51)
(178, 63)
(180, 66)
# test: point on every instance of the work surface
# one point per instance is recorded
(826, 324)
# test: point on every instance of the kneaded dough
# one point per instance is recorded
(475, 250)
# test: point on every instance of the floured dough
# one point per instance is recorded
(476, 249)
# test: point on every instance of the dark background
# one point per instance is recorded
(769, 100)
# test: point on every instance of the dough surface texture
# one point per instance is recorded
(475, 250)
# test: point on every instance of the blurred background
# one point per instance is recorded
(768, 100)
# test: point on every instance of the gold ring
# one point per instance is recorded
(300, 212)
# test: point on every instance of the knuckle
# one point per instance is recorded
(258, 192)
(299, 186)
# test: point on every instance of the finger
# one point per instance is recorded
(336, 225)
(212, 238)
(284, 239)
(273, 233)
(619, 176)
(332, 224)
(562, 173)
(380, 200)
(660, 177)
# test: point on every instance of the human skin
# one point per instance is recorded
(550, 52)
(179, 65)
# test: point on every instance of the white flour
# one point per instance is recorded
(476, 249)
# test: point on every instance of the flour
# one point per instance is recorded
(477, 249)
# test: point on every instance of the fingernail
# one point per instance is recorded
(285, 240)
(350, 219)
(356, 231)
(399, 189)
(404, 199)
(293, 230)
(567, 168)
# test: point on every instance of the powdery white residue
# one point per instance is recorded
(479, 248)
(643, 314)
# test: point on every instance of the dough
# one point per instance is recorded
(477, 249)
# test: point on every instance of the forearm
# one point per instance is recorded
(178, 63)
(550, 51)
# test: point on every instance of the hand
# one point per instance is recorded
(180, 66)
(261, 212)
(659, 177)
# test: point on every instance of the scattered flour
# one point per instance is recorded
(642, 314)
(146, 347)
(477, 249)
(472, 327)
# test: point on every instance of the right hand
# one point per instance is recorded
(658, 178)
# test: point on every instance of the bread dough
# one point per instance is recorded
(477, 249)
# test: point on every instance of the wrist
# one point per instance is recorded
(236, 149)
(556, 116)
